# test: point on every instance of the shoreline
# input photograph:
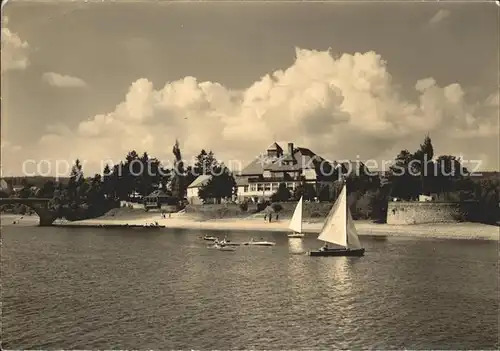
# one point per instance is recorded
(472, 231)
(465, 230)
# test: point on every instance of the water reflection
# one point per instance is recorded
(296, 245)
(336, 273)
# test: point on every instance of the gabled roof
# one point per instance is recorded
(241, 181)
(274, 147)
(200, 181)
(301, 158)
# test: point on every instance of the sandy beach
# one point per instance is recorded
(473, 231)
(179, 221)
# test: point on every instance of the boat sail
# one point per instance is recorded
(296, 221)
(339, 230)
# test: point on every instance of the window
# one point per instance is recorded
(260, 187)
(266, 174)
(267, 187)
(245, 188)
(253, 187)
(275, 186)
(309, 174)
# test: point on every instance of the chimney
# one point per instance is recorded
(290, 148)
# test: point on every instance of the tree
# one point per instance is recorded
(379, 203)
(48, 189)
(205, 163)
(488, 197)
(448, 174)
(221, 185)
(178, 183)
(324, 192)
(424, 165)
(405, 182)
(151, 175)
(282, 194)
(76, 179)
(304, 189)
(109, 183)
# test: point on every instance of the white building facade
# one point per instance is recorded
(262, 177)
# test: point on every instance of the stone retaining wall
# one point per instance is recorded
(399, 212)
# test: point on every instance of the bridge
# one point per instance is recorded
(39, 205)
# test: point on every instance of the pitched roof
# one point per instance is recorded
(241, 181)
(301, 158)
(200, 181)
(274, 147)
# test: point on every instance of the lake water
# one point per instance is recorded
(101, 289)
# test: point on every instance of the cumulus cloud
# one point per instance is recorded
(344, 107)
(63, 81)
(441, 15)
(14, 50)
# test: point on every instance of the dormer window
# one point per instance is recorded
(266, 174)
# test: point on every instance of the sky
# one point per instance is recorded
(358, 81)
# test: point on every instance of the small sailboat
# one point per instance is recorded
(340, 231)
(296, 222)
(210, 238)
(221, 247)
(226, 242)
(261, 242)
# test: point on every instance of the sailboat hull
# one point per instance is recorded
(338, 252)
(296, 235)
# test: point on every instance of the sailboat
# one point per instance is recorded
(340, 231)
(296, 221)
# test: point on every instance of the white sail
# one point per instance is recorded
(334, 230)
(352, 233)
(296, 221)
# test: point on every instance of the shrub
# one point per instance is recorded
(244, 206)
(315, 214)
(262, 205)
(276, 207)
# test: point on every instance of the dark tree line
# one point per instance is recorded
(86, 197)
(412, 174)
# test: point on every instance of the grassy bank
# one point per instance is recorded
(222, 211)
(311, 211)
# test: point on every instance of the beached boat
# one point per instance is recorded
(228, 242)
(340, 231)
(296, 222)
(210, 238)
(259, 243)
(222, 247)
(149, 226)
